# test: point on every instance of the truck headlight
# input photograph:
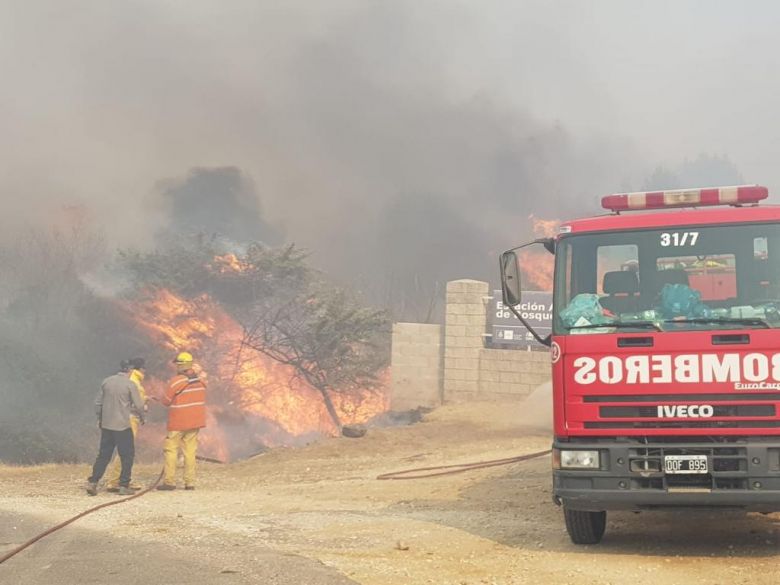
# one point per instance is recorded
(579, 459)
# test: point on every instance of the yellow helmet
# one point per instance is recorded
(183, 358)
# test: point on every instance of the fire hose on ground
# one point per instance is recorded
(438, 470)
(417, 473)
(53, 529)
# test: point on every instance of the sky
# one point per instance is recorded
(341, 112)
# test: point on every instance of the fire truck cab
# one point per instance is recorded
(665, 351)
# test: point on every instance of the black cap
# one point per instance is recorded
(138, 363)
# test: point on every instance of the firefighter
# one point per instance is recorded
(117, 399)
(186, 402)
(136, 368)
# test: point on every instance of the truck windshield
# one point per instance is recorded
(706, 277)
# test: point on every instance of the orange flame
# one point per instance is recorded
(537, 269)
(254, 401)
(536, 264)
(171, 320)
(544, 228)
(228, 263)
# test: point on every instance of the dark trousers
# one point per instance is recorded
(124, 444)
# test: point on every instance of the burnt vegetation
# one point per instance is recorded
(328, 340)
(59, 337)
(289, 311)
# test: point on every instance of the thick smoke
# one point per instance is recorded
(705, 170)
(218, 202)
(405, 143)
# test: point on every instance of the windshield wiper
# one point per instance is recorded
(738, 321)
(621, 325)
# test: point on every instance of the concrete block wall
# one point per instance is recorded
(464, 325)
(416, 371)
(509, 373)
(431, 364)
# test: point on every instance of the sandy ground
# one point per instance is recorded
(318, 515)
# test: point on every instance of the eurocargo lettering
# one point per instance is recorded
(665, 351)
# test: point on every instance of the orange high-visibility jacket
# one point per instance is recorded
(186, 402)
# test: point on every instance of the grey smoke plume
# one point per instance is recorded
(219, 202)
(403, 142)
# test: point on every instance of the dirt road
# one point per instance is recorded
(91, 557)
(318, 515)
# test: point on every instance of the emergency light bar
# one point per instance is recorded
(739, 195)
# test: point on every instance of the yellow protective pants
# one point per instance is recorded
(112, 475)
(188, 442)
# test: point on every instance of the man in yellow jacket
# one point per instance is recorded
(136, 372)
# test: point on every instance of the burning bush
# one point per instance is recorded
(330, 343)
(286, 354)
(59, 339)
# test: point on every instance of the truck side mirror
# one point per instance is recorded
(510, 284)
(510, 279)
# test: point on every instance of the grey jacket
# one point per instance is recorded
(117, 400)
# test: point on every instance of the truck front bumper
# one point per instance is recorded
(742, 473)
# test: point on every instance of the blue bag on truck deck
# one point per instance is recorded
(584, 309)
(680, 300)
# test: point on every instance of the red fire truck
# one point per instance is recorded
(664, 395)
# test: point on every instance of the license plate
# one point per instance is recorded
(685, 464)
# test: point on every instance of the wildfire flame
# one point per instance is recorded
(537, 269)
(544, 228)
(228, 263)
(536, 264)
(254, 402)
(171, 320)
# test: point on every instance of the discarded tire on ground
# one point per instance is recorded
(353, 431)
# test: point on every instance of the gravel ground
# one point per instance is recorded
(318, 514)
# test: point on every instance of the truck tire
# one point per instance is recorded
(585, 527)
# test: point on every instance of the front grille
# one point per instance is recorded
(718, 411)
(728, 410)
(728, 465)
(647, 483)
(685, 424)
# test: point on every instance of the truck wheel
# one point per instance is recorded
(585, 527)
